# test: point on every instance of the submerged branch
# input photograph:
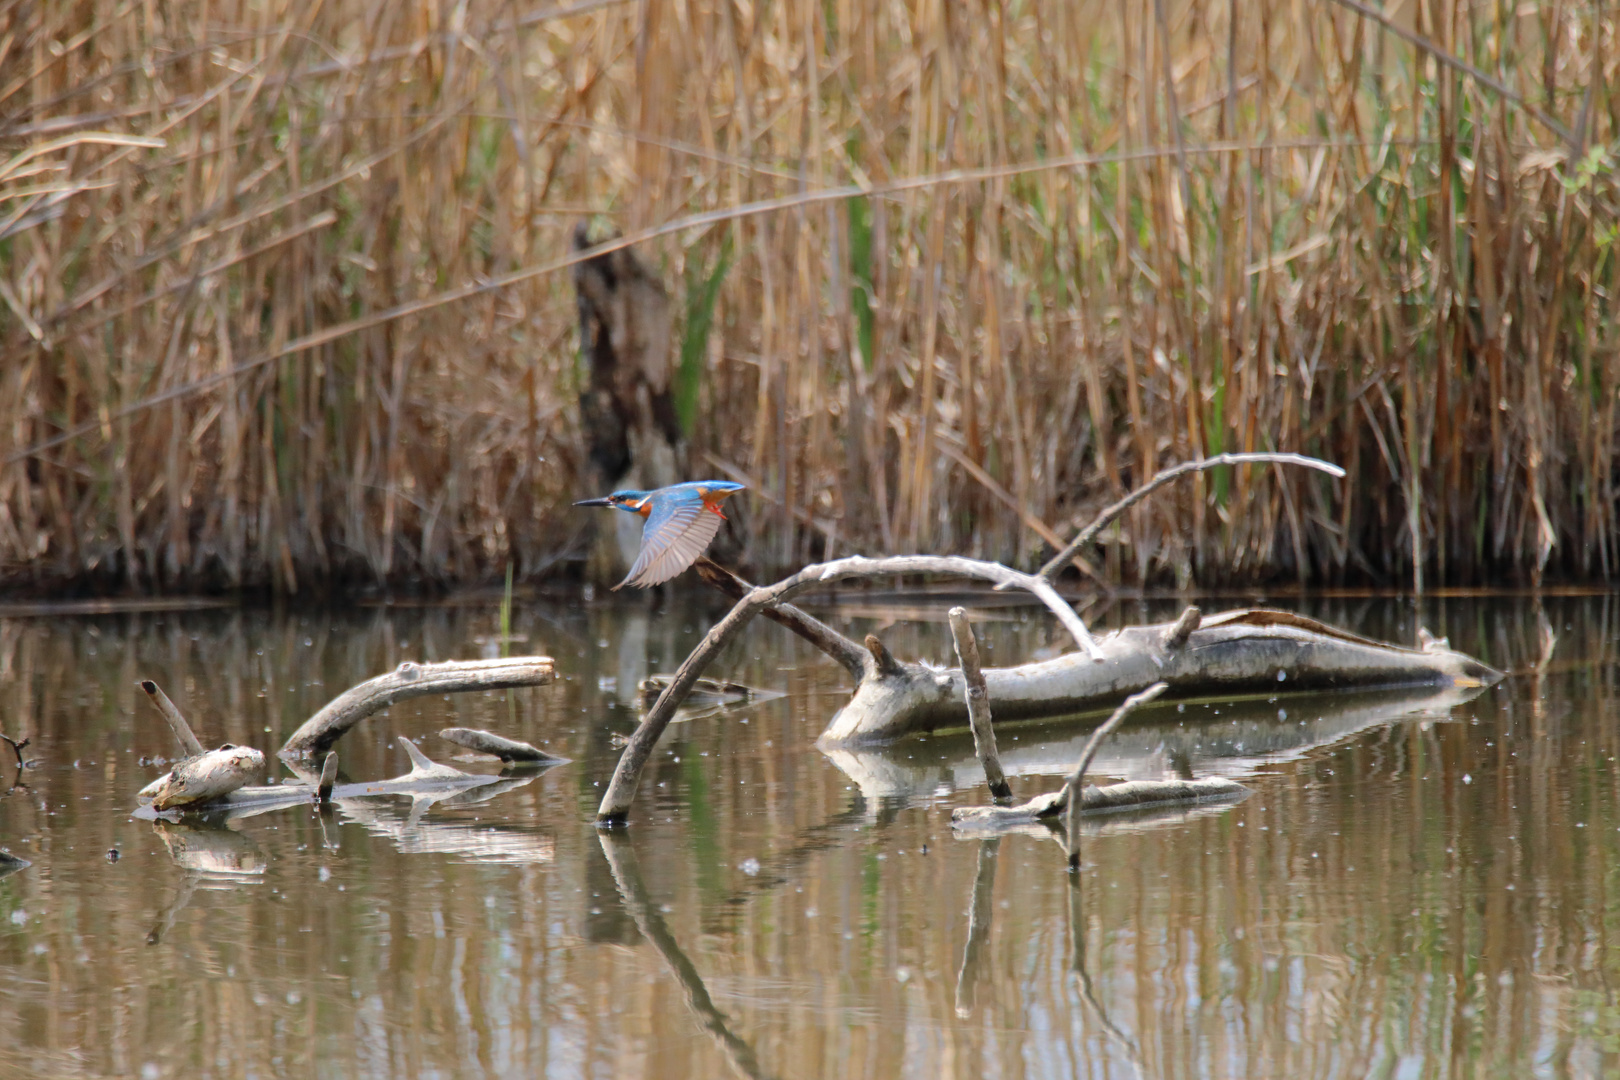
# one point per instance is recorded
(17, 749)
(1129, 795)
(508, 750)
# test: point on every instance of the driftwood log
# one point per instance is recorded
(429, 782)
(1234, 653)
(205, 778)
(410, 680)
(1231, 654)
(203, 775)
(216, 781)
(615, 806)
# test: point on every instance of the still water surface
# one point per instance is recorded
(1421, 886)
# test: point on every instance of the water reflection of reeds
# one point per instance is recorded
(1438, 894)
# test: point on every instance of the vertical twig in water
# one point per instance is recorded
(1078, 776)
(506, 614)
(16, 748)
(329, 768)
(978, 706)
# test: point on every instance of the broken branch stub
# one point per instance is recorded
(978, 706)
(189, 743)
(410, 680)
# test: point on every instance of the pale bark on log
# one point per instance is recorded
(1235, 653)
(429, 782)
(1130, 795)
(204, 778)
(410, 680)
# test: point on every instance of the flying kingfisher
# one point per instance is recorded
(681, 520)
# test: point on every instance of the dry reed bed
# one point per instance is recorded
(282, 301)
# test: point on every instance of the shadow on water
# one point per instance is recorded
(1421, 883)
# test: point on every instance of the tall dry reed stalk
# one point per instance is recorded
(280, 300)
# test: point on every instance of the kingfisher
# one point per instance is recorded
(681, 520)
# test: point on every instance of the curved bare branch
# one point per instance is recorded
(1086, 535)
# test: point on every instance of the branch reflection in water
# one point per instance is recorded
(621, 859)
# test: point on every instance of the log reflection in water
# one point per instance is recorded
(1226, 739)
(621, 859)
(212, 856)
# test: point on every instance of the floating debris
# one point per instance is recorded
(508, 750)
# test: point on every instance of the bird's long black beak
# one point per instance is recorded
(595, 502)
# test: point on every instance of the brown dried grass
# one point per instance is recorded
(317, 334)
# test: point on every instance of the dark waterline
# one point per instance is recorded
(1420, 885)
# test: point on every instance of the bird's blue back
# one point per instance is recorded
(695, 489)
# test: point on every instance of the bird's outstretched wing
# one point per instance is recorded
(676, 533)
